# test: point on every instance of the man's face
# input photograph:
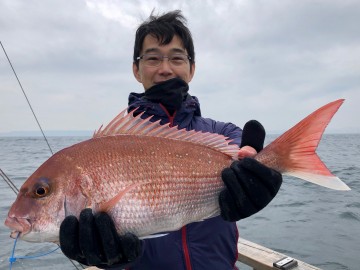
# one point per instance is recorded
(150, 75)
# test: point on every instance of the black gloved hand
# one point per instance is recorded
(93, 240)
(250, 185)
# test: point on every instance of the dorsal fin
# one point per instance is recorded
(128, 124)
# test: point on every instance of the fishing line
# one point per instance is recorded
(12, 259)
(22, 89)
(9, 182)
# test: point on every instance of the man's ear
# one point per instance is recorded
(136, 73)
(192, 71)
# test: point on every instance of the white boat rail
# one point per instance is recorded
(262, 258)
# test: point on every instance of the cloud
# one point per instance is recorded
(275, 61)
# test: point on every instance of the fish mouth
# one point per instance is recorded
(16, 234)
(19, 226)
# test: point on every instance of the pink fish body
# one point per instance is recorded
(152, 178)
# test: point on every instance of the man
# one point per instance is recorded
(164, 63)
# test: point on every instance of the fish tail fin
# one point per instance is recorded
(293, 153)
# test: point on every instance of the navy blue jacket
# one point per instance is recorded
(210, 244)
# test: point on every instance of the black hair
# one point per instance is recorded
(164, 28)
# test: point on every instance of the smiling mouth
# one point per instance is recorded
(158, 82)
(165, 79)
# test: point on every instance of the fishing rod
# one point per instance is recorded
(22, 89)
(2, 174)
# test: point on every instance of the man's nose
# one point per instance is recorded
(165, 67)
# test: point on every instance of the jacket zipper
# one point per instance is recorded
(183, 230)
(185, 249)
(171, 118)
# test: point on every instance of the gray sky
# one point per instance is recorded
(271, 60)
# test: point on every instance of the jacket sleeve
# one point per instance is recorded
(229, 130)
(232, 131)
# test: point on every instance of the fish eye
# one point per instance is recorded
(41, 189)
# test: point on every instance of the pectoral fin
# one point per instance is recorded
(106, 206)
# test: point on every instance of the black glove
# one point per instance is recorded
(93, 240)
(250, 185)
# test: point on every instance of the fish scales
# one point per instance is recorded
(175, 181)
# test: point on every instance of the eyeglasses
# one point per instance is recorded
(154, 60)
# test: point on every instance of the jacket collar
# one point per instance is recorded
(189, 108)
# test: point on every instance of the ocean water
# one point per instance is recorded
(308, 222)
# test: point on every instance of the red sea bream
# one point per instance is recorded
(153, 178)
